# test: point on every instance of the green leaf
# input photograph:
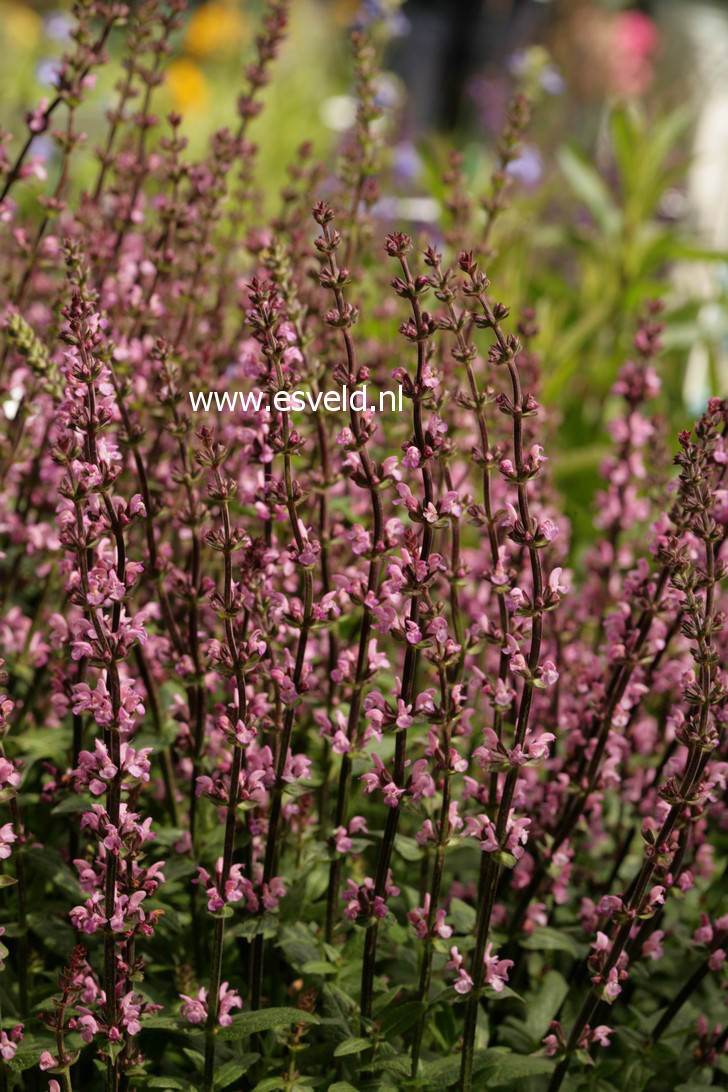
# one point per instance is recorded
(351, 1046)
(546, 939)
(72, 804)
(248, 1023)
(445, 1071)
(625, 140)
(7, 881)
(113, 1050)
(318, 966)
(48, 863)
(589, 186)
(398, 1018)
(270, 1084)
(55, 933)
(407, 848)
(168, 1023)
(233, 1070)
(462, 916)
(267, 924)
(28, 1056)
(196, 1057)
(342, 1086)
(176, 1083)
(502, 1068)
(542, 1006)
(400, 1064)
(502, 994)
(338, 1007)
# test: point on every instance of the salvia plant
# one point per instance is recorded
(327, 759)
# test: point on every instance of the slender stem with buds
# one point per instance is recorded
(697, 499)
(490, 869)
(222, 493)
(266, 319)
(337, 277)
(422, 329)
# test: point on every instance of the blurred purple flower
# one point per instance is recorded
(407, 162)
(46, 72)
(58, 26)
(528, 168)
(43, 148)
(371, 11)
(552, 81)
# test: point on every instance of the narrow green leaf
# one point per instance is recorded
(502, 1068)
(318, 966)
(462, 916)
(176, 1083)
(545, 939)
(248, 1023)
(351, 1046)
(398, 1018)
(590, 187)
(233, 1070)
(542, 1006)
(167, 1023)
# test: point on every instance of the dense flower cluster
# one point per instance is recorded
(331, 708)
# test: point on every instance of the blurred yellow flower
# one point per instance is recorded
(187, 84)
(216, 25)
(344, 11)
(21, 25)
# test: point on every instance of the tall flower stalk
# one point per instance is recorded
(232, 660)
(265, 317)
(418, 331)
(532, 535)
(372, 478)
(699, 732)
(93, 517)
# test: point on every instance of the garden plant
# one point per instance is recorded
(333, 755)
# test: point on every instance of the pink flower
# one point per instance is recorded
(194, 1009)
(716, 959)
(9, 776)
(601, 1035)
(612, 988)
(551, 1045)
(8, 1046)
(228, 1000)
(635, 40)
(463, 983)
(412, 458)
(652, 947)
(36, 120)
(418, 919)
(87, 1026)
(7, 837)
(704, 934)
(496, 970)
